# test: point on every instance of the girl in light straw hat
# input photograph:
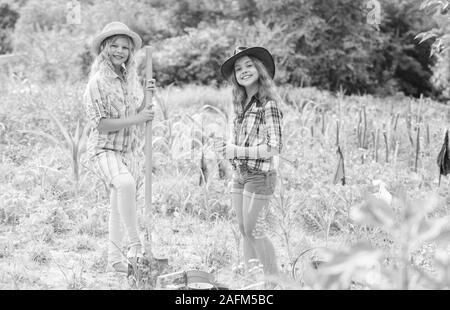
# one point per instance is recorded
(256, 139)
(115, 106)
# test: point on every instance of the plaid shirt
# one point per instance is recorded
(261, 123)
(107, 96)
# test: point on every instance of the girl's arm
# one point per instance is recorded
(143, 115)
(273, 117)
(115, 124)
(253, 152)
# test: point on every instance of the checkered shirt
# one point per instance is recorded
(108, 96)
(261, 123)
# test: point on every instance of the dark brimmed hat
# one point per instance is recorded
(115, 28)
(258, 52)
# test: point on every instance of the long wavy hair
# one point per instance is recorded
(266, 89)
(103, 61)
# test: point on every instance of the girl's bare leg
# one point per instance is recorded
(125, 186)
(249, 251)
(252, 207)
(116, 233)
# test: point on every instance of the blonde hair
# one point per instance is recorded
(266, 88)
(103, 60)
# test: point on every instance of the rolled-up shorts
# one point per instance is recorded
(256, 185)
(110, 164)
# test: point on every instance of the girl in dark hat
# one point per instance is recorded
(256, 140)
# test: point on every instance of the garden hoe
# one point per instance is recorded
(142, 273)
(148, 272)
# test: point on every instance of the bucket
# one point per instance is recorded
(197, 276)
(220, 287)
(197, 286)
(191, 280)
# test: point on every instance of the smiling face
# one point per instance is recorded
(245, 72)
(119, 51)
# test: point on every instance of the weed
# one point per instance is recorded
(83, 243)
(40, 254)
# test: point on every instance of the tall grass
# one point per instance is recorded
(309, 210)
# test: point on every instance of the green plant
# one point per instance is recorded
(6, 248)
(74, 277)
(57, 217)
(74, 144)
(40, 254)
(92, 225)
(83, 243)
(432, 8)
(410, 226)
(287, 207)
(13, 206)
(100, 262)
(8, 19)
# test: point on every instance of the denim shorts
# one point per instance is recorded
(255, 183)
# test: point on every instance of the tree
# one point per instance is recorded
(8, 18)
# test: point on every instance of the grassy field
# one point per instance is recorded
(54, 209)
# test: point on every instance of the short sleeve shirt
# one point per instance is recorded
(108, 96)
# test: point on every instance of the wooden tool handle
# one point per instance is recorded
(148, 151)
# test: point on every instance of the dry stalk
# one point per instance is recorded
(337, 133)
(396, 122)
(359, 128)
(323, 122)
(408, 128)
(377, 139)
(373, 142)
(417, 148)
(365, 127)
(396, 152)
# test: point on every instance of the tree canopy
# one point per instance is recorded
(320, 43)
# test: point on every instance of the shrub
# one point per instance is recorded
(40, 254)
(195, 56)
(8, 18)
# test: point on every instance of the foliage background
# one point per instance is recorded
(338, 76)
(324, 44)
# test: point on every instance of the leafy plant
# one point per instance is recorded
(409, 225)
(73, 275)
(74, 144)
(438, 33)
(287, 208)
(40, 254)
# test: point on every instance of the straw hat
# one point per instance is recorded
(115, 28)
(261, 53)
